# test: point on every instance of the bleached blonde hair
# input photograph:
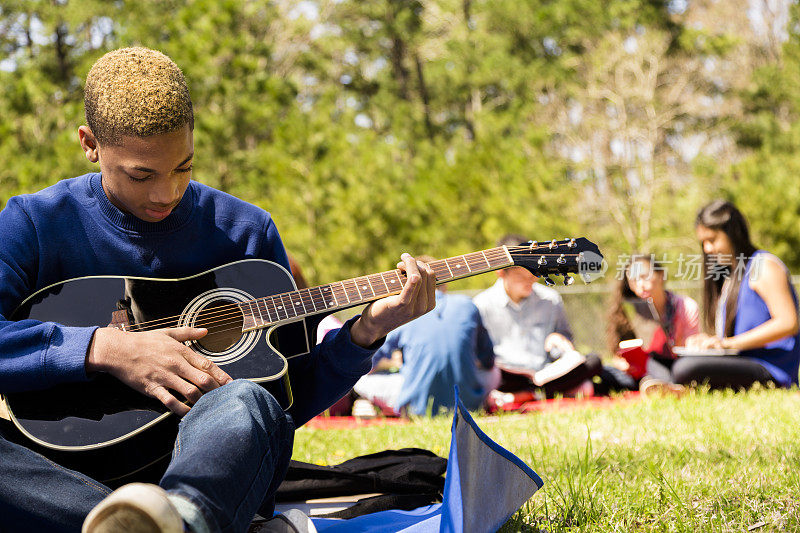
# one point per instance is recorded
(137, 92)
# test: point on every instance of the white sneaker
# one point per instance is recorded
(134, 508)
(364, 409)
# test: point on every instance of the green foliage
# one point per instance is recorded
(373, 128)
(764, 183)
(41, 101)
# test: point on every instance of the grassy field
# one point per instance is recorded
(706, 462)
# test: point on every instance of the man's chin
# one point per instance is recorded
(150, 215)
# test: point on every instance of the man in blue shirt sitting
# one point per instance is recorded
(446, 347)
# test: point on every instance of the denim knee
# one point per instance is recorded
(246, 391)
(252, 395)
(232, 452)
(241, 398)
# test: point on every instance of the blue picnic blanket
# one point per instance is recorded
(485, 485)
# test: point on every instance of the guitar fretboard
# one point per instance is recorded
(288, 306)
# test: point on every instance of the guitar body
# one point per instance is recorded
(104, 428)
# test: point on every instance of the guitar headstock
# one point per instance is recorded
(562, 257)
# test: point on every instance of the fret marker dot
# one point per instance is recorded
(364, 287)
(331, 302)
(280, 307)
(297, 303)
(458, 265)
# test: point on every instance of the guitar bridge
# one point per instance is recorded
(120, 319)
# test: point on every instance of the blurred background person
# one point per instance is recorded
(427, 357)
(750, 307)
(643, 310)
(530, 332)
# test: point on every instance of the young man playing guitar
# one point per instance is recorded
(142, 216)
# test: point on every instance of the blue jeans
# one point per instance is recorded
(232, 452)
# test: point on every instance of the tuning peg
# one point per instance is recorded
(549, 281)
(561, 259)
(533, 245)
(553, 244)
(542, 261)
(572, 243)
(568, 280)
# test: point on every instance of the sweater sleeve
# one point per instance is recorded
(272, 248)
(33, 355)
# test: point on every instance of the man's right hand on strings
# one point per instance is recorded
(156, 363)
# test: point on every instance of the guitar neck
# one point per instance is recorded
(289, 306)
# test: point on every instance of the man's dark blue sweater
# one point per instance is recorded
(71, 230)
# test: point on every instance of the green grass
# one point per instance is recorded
(706, 462)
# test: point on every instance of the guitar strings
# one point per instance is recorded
(222, 311)
(235, 308)
(219, 313)
(237, 327)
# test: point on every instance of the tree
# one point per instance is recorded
(43, 47)
(763, 184)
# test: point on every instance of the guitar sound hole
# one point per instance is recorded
(224, 322)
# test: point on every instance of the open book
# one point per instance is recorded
(558, 368)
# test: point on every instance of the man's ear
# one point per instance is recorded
(88, 143)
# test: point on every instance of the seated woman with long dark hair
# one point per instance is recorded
(659, 318)
(750, 305)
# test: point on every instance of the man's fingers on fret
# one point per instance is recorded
(420, 292)
(412, 269)
(410, 290)
(430, 287)
(413, 279)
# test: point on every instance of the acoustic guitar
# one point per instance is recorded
(256, 320)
